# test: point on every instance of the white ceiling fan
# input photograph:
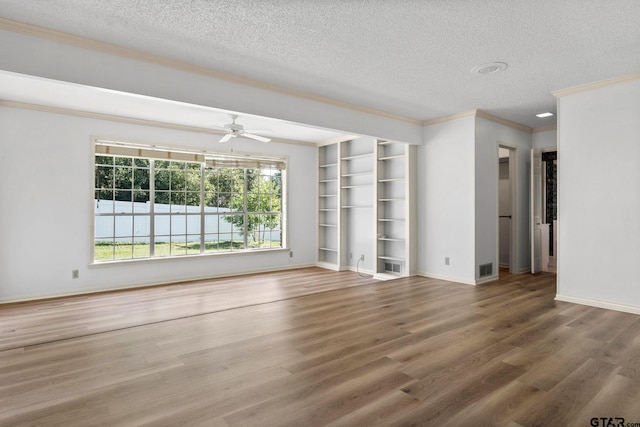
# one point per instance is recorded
(235, 129)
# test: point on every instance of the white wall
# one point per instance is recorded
(546, 139)
(446, 201)
(47, 209)
(46, 58)
(488, 135)
(599, 196)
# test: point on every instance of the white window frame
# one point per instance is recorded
(125, 148)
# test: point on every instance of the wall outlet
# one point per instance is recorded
(75, 274)
(362, 258)
(290, 254)
(446, 260)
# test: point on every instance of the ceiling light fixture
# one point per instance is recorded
(490, 68)
(543, 115)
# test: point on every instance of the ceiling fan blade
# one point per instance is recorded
(256, 137)
(258, 130)
(225, 138)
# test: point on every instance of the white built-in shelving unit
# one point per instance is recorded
(395, 209)
(328, 207)
(361, 182)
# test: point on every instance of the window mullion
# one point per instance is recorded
(152, 202)
(202, 181)
(245, 208)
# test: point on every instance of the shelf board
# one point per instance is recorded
(328, 249)
(390, 219)
(399, 156)
(358, 156)
(328, 210)
(391, 258)
(347, 175)
(387, 142)
(391, 239)
(328, 225)
(357, 186)
(390, 200)
(328, 180)
(354, 207)
(328, 195)
(328, 165)
(391, 180)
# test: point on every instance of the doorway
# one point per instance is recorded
(507, 235)
(544, 202)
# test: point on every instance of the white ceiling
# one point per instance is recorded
(411, 57)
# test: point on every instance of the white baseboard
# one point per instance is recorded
(462, 280)
(327, 265)
(151, 284)
(487, 279)
(600, 304)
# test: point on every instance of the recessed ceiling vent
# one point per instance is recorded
(490, 68)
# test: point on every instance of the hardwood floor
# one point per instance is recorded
(312, 347)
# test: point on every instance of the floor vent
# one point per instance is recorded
(486, 269)
(391, 267)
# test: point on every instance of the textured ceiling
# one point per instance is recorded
(411, 57)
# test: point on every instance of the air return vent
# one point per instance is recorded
(486, 270)
(391, 267)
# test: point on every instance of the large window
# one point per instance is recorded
(152, 202)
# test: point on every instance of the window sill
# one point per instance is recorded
(120, 262)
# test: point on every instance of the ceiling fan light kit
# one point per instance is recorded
(235, 129)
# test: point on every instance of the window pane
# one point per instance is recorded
(178, 245)
(211, 243)
(177, 180)
(104, 206)
(192, 179)
(123, 250)
(104, 160)
(211, 224)
(193, 224)
(177, 199)
(104, 227)
(141, 163)
(124, 226)
(162, 225)
(141, 226)
(141, 201)
(193, 244)
(123, 178)
(141, 248)
(123, 202)
(193, 199)
(104, 177)
(163, 198)
(123, 161)
(141, 179)
(103, 250)
(162, 247)
(162, 179)
(162, 164)
(225, 242)
(178, 224)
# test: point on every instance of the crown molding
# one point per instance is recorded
(479, 114)
(444, 119)
(595, 85)
(112, 49)
(129, 120)
(546, 129)
(500, 120)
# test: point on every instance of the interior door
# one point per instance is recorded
(536, 211)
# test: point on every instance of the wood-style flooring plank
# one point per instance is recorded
(314, 347)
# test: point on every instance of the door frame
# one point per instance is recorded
(514, 183)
